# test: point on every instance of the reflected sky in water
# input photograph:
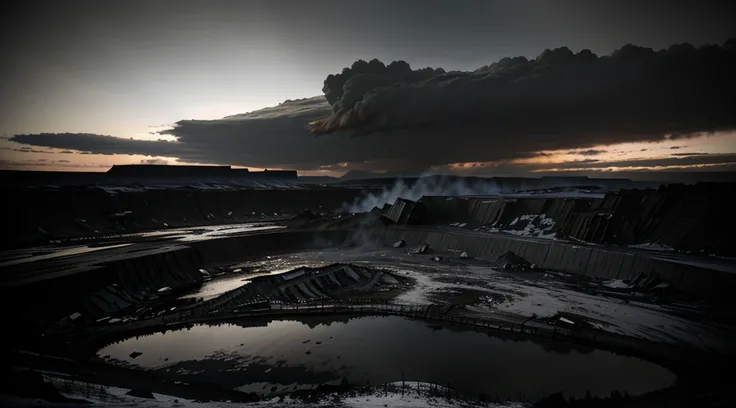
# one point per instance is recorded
(380, 349)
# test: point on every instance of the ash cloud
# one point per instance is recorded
(154, 161)
(29, 150)
(684, 159)
(584, 161)
(589, 152)
(100, 144)
(428, 118)
(560, 99)
(342, 91)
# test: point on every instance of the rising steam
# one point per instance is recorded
(424, 186)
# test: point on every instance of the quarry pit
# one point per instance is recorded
(325, 300)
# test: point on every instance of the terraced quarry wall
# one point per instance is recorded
(100, 283)
(97, 285)
(688, 217)
(33, 217)
(587, 260)
(234, 249)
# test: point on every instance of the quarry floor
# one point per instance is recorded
(474, 287)
(456, 286)
(480, 288)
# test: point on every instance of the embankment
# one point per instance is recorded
(96, 285)
(709, 279)
(34, 217)
(100, 283)
(687, 217)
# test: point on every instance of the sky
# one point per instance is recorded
(172, 81)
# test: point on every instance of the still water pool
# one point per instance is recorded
(284, 355)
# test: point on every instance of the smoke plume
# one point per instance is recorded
(634, 92)
(424, 186)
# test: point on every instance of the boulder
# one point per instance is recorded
(140, 393)
(511, 261)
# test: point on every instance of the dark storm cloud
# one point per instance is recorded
(265, 138)
(702, 159)
(154, 161)
(29, 150)
(16, 163)
(558, 100)
(343, 90)
(99, 144)
(35, 163)
(509, 109)
(589, 152)
(585, 161)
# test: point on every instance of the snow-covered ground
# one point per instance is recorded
(412, 399)
(652, 247)
(617, 284)
(532, 225)
(572, 193)
(527, 295)
(104, 396)
(630, 318)
(500, 294)
(527, 225)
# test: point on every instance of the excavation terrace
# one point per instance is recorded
(254, 292)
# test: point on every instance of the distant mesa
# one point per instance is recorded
(167, 171)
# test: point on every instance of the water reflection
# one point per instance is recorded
(376, 350)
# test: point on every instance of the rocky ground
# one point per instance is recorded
(484, 288)
(455, 286)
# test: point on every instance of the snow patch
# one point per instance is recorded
(415, 395)
(616, 284)
(652, 247)
(533, 225)
(413, 399)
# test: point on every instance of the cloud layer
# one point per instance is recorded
(558, 100)
(390, 117)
